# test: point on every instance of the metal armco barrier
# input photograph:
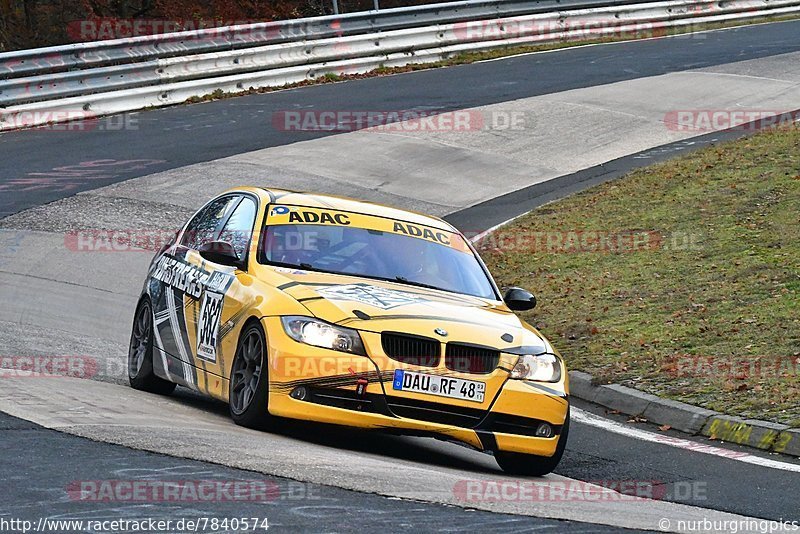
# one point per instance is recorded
(61, 83)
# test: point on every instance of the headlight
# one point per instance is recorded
(321, 334)
(540, 368)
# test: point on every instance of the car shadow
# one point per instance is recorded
(423, 450)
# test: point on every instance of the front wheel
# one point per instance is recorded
(249, 387)
(515, 463)
(140, 354)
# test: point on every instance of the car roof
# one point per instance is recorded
(322, 201)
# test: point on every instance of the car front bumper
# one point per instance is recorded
(315, 384)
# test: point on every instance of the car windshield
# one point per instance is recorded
(378, 254)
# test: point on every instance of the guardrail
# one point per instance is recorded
(61, 83)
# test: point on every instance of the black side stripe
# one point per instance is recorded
(550, 391)
(530, 349)
(421, 317)
(295, 283)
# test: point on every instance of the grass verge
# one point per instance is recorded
(691, 287)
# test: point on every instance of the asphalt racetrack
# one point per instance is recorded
(590, 114)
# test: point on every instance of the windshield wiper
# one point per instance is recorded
(404, 280)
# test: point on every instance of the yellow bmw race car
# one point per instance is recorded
(328, 309)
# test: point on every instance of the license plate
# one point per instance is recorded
(443, 386)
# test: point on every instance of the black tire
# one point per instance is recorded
(140, 354)
(248, 397)
(515, 463)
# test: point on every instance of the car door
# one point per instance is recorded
(177, 283)
(214, 318)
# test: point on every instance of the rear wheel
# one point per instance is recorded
(249, 388)
(140, 354)
(515, 463)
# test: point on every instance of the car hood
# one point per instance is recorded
(377, 306)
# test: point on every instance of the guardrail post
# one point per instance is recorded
(335, 7)
(377, 4)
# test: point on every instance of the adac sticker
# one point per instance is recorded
(300, 215)
(438, 236)
(321, 217)
(448, 239)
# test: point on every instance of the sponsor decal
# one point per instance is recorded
(182, 276)
(210, 314)
(309, 217)
(377, 297)
(197, 283)
(208, 326)
(436, 236)
(280, 215)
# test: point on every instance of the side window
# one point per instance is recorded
(239, 228)
(203, 227)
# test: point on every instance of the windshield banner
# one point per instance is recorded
(279, 215)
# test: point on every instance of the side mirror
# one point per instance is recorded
(519, 300)
(220, 252)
